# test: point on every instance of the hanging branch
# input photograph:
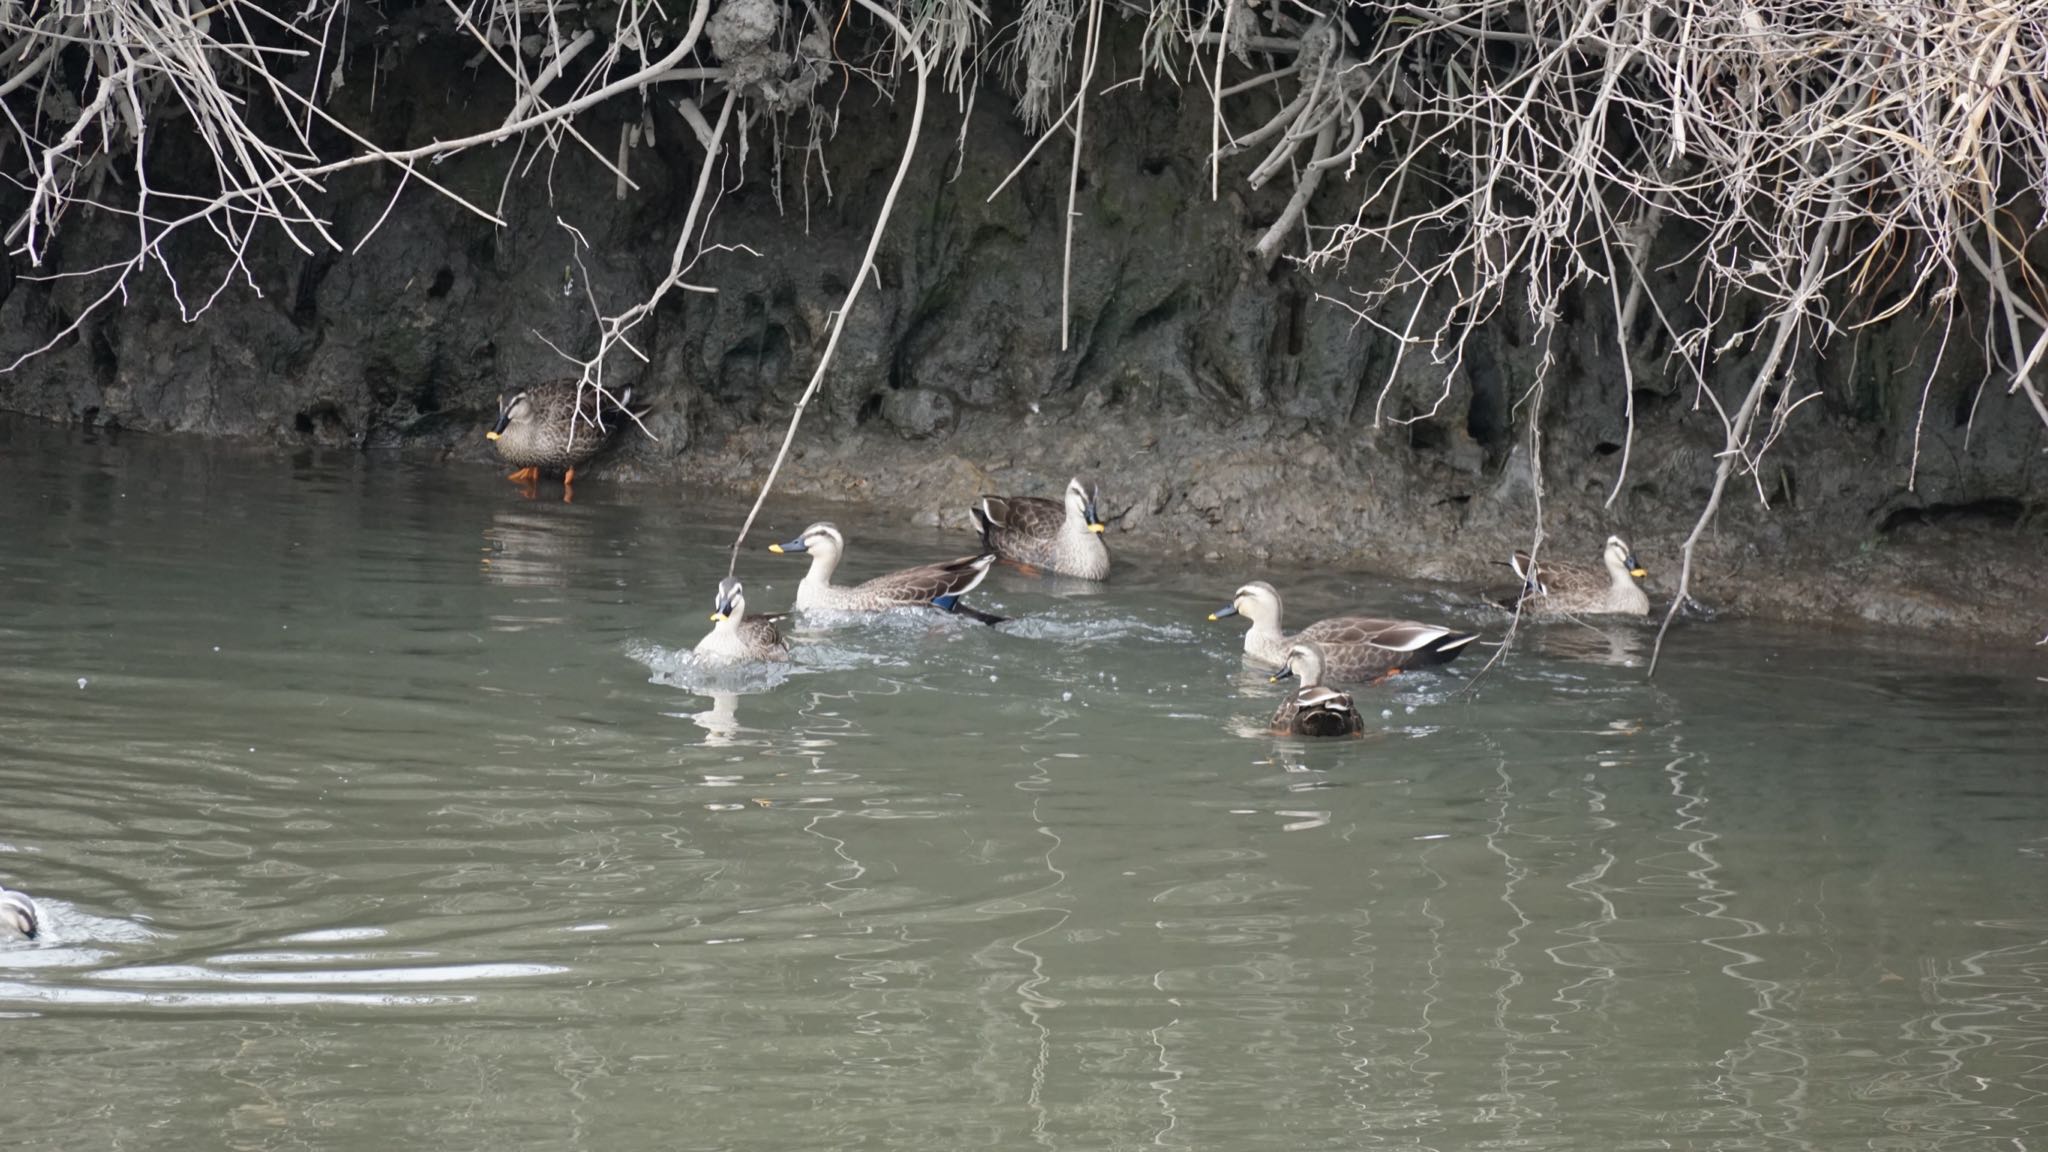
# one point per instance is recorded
(860, 278)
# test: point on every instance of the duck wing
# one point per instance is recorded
(1555, 578)
(1025, 516)
(1319, 711)
(1364, 647)
(940, 584)
(759, 633)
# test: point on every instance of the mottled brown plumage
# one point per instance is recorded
(938, 585)
(559, 424)
(1354, 648)
(1314, 709)
(737, 636)
(1063, 537)
(1563, 588)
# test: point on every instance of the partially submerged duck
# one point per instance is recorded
(19, 915)
(928, 586)
(1063, 537)
(1353, 648)
(737, 636)
(1314, 709)
(1568, 589)
(559, 425)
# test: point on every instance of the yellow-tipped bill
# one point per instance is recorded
(718, 617)
(775, 548)
(491, 435)
(1098, 528)
(1639, 573)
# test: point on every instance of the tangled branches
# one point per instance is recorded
(1821, 165)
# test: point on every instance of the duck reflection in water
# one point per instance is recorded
(533, 548)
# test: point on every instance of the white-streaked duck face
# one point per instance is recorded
(1081, 505)
(1620, 558)
(1257, 602)
(1303, 660)
(731, 603)
(820, 539)
(517, 409)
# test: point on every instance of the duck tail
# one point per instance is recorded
(624, 400)
(985, 524)
(957, 607)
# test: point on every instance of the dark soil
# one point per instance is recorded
(1223, 410)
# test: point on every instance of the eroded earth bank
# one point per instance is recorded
(1225, 409)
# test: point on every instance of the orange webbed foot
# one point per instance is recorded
(525, 476)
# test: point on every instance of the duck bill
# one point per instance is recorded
(1283, 674)
(498, 429)
(796, 545)
(1097, 526)
(718, 617)
(1636, 569)
(1226, 610)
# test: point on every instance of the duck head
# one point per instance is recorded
(18, 914)
(819, 539)
(517, 407)
(1621, 559)
(1082, 505)
(1257, 601)
(731, 603)
(1304, 660)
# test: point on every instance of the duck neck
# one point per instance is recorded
(819, 578)
(1264, 634)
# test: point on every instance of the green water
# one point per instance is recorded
(373, 806)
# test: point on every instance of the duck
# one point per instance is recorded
(1062, 538)
(559, 424)
(1353, 648)
(1568, 589)
(938, 585)
(1314, 709)
(19, 915)
(735, 636)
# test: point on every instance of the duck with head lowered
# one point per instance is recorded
(1352, 648)
(19, 915)
(560, 424)
(1314, 709)
(1059, 537)
(1568, 589)
(938, 585)
(737, 637)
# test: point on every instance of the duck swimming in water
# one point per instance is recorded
(1568, 589)
(928, 586)
(1314, 709)
(1059, 537)
(736, 636)
(1354, 648)
(19, 915)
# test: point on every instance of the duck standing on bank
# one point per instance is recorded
(737, 637)
(19, 915)
(1062, 538)
(928, 586)
(1568, 589)
(1351, 648)
(1314, 709)
(559, 425)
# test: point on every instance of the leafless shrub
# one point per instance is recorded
(1503, 153)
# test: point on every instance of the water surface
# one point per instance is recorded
(375, 806)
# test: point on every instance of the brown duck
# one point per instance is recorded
(559, 424)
